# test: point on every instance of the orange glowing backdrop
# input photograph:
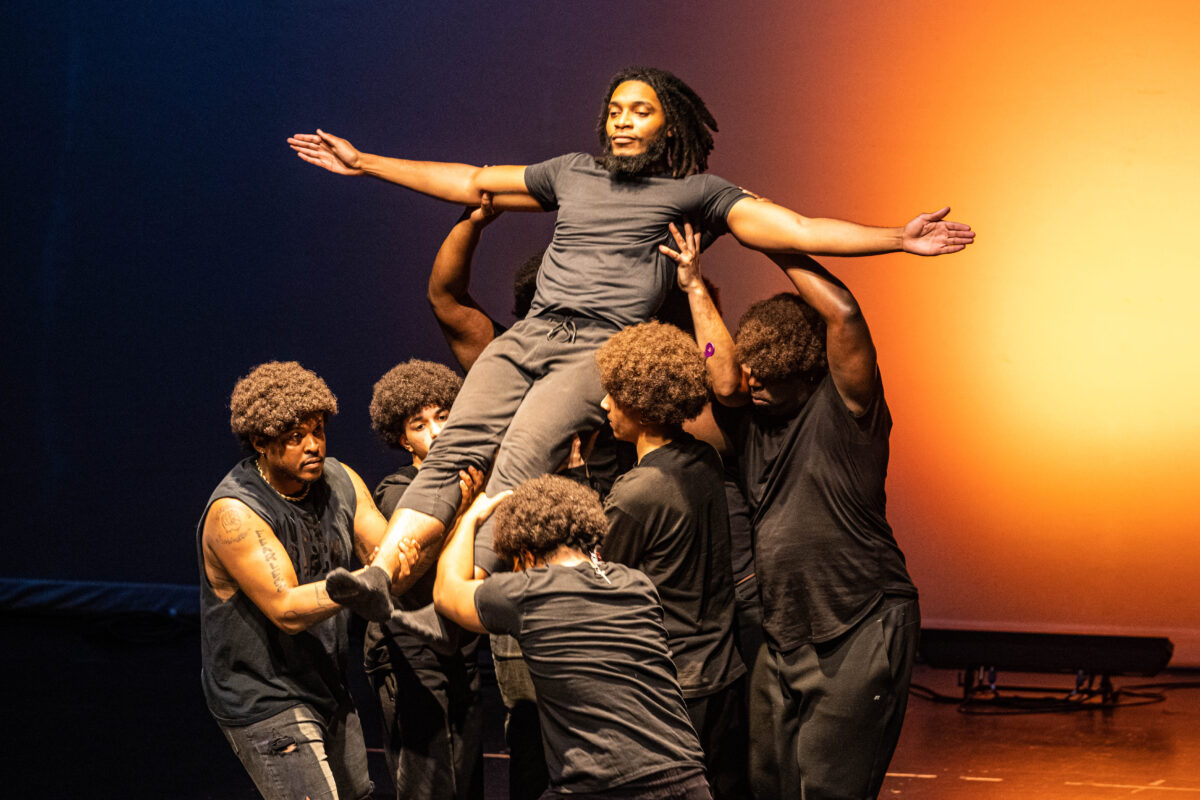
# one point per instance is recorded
(1044, 383)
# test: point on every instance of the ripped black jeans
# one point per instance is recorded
(298, 753)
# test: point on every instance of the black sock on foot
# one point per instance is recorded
(366, 594)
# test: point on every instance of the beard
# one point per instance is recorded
(624, 167)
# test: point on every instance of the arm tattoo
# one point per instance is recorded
(322, 601)
(272, 560)
(232, 528)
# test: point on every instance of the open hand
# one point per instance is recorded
(932, 235)
(410, 554)
(327, 151)
(687, 257)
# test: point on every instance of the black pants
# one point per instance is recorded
(528, 775)
(720, 722)
(432, 713)
(748, 616)
(825, 718)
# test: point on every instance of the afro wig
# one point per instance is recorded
(275, 397)
(656, 370)
(407, 389)
(781, 338)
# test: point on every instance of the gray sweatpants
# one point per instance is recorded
(533, 388)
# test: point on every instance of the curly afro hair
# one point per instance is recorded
(547, 513)
(657, 371)
(685, 113)
(407, 389)
(275, 397)
(781, 338)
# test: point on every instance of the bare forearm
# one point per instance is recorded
(716, 343)
(428, 545)
(818, 287)
(450, 278)
(832, 237)
(849, 349)
(299, 608)
(445, 181)
(458, 556)
(456, 567)
(772, 228)
(836, 237)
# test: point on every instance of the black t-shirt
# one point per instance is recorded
(824, 551)
(668, 518)
(610, 707)
(389, 491)
(741, 536)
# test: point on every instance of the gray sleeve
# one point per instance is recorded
(540, 179)
(719, 196)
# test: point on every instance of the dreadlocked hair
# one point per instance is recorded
(686, 116)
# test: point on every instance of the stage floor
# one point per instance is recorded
(113, 709)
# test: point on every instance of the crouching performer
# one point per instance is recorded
(612, 713)
(273, 644)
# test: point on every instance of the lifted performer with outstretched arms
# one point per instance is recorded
(537, 385)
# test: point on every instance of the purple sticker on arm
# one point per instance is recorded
(709, 350)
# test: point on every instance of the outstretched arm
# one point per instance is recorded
(763, 225)
(458, 183)
(467, 327)
(711, 333)
(456, 584)
(848, 345)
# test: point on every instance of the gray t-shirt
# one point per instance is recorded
(603, 261)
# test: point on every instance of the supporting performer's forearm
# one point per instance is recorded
(423, 531)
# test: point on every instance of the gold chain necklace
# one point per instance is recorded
(291, 498)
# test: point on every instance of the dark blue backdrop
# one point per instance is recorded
(160, 238)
